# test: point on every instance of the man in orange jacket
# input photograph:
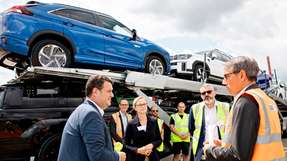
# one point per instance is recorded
(253, 131)
(120, 121)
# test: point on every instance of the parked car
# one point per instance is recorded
(264, 80)
(282, 90)
(191, 65)
(32, 117)
(57, 35)
(33, 113)
(34, 110)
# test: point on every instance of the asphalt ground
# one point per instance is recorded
(169, 158)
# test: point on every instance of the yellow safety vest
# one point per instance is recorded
(119, 130)
(160, 123)
(268, 146)
(222, 111)
(180, 125)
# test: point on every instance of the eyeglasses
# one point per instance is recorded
(227, 76)
(208, 92)
(124, 104)
(141, 105)
(154, 110)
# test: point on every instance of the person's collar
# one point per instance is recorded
(98, 107)
(122, 114)
(243, 90)
(214, 106)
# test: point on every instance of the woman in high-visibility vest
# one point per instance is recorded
(253, 131)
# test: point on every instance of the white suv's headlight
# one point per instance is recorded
(181, 56)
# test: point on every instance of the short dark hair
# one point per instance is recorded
(123, 99)
(96, 81)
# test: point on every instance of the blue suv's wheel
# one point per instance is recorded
(155, 65)
(50, 53)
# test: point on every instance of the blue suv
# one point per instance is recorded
(57, 35)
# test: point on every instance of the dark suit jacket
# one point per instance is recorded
(245, 123)
(135, 139)
(86, 136)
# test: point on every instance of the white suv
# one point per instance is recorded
(282, 90)
(191, 65)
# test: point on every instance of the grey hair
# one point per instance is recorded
(249, 65)
(137, 99)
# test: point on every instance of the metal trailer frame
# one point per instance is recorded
(138, 82)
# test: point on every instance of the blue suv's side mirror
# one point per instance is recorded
(135, 36)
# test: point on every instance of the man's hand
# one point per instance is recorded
(217, 142)
(206, 144)
(184, 136)
(122, 156)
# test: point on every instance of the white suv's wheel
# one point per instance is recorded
(198, 73)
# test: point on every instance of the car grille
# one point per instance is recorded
(183, 66)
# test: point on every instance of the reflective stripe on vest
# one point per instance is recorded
(222, 111)
(268, 146)
(180, 125)
(160, 123)
(116, 117)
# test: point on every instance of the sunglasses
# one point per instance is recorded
(154, 110)
(208, 92)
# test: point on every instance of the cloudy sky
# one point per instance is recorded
(256, 28)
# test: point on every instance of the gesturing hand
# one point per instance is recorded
(122, 156)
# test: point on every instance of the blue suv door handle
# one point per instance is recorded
(68, 24)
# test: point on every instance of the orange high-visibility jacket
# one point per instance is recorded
(116, 117)
(269, 146)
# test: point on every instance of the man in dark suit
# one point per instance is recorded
(86, 136)
(253, 128)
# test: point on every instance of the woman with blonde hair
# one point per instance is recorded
(142, 135)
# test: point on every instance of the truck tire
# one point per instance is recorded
(49, 149)
(50, 53)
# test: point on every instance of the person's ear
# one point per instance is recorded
(241, 75)
(95, 91)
